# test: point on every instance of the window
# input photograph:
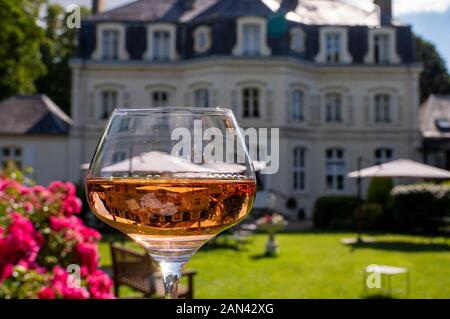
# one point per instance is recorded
(299, 169)
(161, 45)
(382, 108)
(118, 157)
(201, 98)
(124, 125)
(333, 108)
(250, 102)
(108, 102)
(442, 124)
(252, 39)
(333, 47)
(383, 155)
(202, 39)
(297, 40)
(335, 169)
(110, 44)
(13, 154)
(381, 48)
(160, 99)
(297, 105)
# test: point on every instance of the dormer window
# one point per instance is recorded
(110, 42)
(161, 42)
(382, 46)
(333, 44)
(161, 45)
(202, 39)
(251, 37)
(297, 40)
(110, 47)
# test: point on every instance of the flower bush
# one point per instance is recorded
(40, 236)
(271, 223)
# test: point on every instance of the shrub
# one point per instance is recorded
(335, 212)
(420, 206)
(371, 216)
(380, 190)
(40, 236)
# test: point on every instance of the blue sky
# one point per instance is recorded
(429, 18)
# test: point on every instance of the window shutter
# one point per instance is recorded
(91, 105)
(316, 109)
(398, 109)
(236, 106)
(288, 115)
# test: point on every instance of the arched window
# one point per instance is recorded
(382, 108)
(333, 107)
(383, 155)
(160, 98)
(297, 105)
(108, 103)
(202, 97)
(251, 102)
(299, 169)
(335, 169)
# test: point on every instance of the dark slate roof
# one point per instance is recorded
(436, 107)
(32, 114)
(154, 10)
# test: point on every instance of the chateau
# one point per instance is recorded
(339, 81)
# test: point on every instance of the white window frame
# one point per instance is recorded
(202, 93)
(156, 88)
(12, 156)
(299, 34)
(393, 58)
(337, 110)
(344, 54)
(300, 116)
(382, 108)
(238, 50)
(113, 96)
(121, 158)
(94, 115)
(120, 28)
(383, 158)
(252, 99)
(335, 167)
(299, 169)
(204, 31)
(161, 27)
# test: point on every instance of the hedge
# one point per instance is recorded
(335, 212)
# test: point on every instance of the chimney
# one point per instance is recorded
(385, 11)
(98, 6)
(288, 5)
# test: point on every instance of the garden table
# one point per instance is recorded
(386, 273)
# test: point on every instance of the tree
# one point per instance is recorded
(20, 37)
(57, 49)
(434, 78)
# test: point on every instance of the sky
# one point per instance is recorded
(429, 18)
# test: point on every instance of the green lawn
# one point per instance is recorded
(316, 265)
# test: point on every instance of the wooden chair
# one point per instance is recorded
(136, 270)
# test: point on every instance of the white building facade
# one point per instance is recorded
(336, 91)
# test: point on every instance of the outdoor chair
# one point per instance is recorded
(136, 270)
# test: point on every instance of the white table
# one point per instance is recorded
(386, 273)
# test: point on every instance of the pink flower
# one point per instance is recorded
(28, 207)
(100, 285)
(88, 255)
(72, 205)
(46, 293)
(60, 285)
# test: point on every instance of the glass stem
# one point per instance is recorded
(171, 272)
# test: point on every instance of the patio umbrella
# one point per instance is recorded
(401, 168)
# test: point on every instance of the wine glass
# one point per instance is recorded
(171, 179)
